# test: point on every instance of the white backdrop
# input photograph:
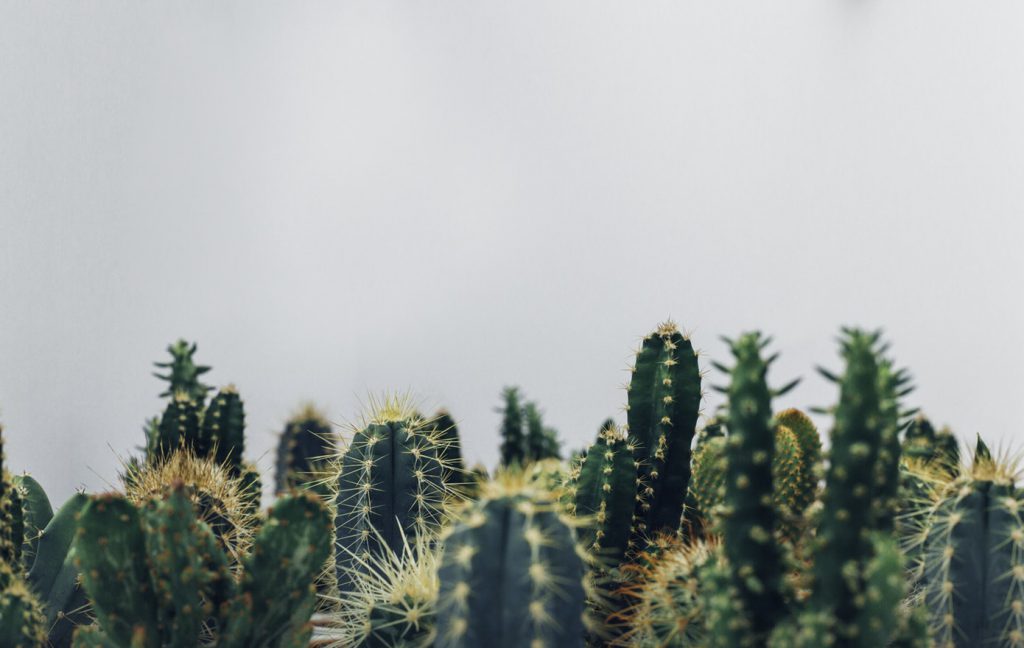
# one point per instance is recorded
(335, 198)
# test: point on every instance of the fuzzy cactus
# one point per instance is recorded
(303, 450)
(603, 494)
(157, 576)
(182, 373)
(511, 574)
(664, 403)
(390, 486)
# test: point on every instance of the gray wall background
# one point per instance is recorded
(335, 198)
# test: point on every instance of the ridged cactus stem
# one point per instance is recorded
(222, 436)
(664, 403)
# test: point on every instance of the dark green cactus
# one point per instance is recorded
(22, 624)
(972, 557)
(158, 577)
(603, 493)
(893, 385)
(541, 441)
(448, 433)
(664, 403)
(511, 575)
(222, 434)
(809, 441)
(182, 373)
(390, 487)
(513, 439)
(303, 450)
(178, 428)
(749, 518)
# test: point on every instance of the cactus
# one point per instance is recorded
(183, 374)
(222, 434)
(178, 428)
(667, 607)
(809, 442)
(393, 603)
(157, 576)
(390, 485)
(749, 519)
(222, 501)
(37, 514)
(971, 545)
(448, 432)
(664, 403)
(603, 494)
(541, 441)
(303, 450)
(22, 624)
(510, 573)
(513, 441)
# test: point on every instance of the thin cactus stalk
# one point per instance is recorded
(513, 439)
(511, 574)
(664, 403)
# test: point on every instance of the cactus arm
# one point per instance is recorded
(513, 442)
(883, 593)
(664, 403)
(223, 429)
(604, 494)
(179, 426)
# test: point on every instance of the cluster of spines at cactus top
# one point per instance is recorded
(511, 574)
(158, 577)
(391, 486)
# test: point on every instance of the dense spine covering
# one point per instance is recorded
(749, 518)
(303, 450)
(809, 442)
(603, 493)
(664, 403)
(513, 440)
(391, 486)
(511, 575)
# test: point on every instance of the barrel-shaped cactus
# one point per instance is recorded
(511, 574)
(664, 403)
(390, 486)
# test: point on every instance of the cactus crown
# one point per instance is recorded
(183, 373)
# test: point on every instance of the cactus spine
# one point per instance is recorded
(664, 403)
(510, 574)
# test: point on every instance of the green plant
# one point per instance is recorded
(158, 577)
(510, 573)
(513, 440)
(303, 451)
(664, 403)
(182, 373)
(390, 486)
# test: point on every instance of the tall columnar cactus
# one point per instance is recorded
(222, 434)
(513, 440)
(303, 450)
(541, 441)
(510, 574)
(749, 519)
(448, 433)
(182, 373)
(893, 385)
(853, 507)
(603, 493)
(664, 403)
(971, 545)
(922, 444)
(391, 486)
(157, 576)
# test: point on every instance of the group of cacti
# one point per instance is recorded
(740, 532)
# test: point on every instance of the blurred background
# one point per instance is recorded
(335, 199)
